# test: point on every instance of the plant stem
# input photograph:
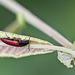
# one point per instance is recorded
(63, 49)
(36, 22)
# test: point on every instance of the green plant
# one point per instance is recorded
(65, 54)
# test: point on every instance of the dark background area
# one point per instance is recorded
(59, 14)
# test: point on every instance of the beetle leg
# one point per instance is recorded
(7, 36)
(29, 44)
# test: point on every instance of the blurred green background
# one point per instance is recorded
(59, 14)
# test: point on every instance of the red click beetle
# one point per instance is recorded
(16, 43)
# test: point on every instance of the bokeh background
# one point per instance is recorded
(59, 14)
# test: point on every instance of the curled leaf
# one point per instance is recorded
(35, 46)
(66, 59)
(17, 52)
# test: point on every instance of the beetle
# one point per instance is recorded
(16, 43)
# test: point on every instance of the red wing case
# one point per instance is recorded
(10, 42)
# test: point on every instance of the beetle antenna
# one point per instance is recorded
(7, 36)
(29, 44)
